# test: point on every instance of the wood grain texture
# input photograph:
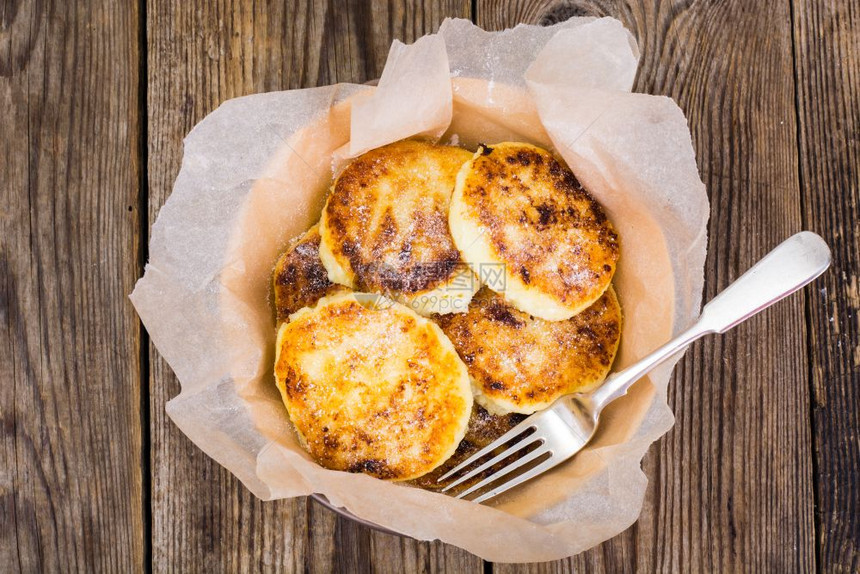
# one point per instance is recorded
(767, 416)
(71, 482)
(827, 48)
(731, 485)
(201, 53)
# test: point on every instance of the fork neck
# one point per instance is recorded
(618, 384)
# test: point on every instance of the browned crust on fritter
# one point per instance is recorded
(483, 429)
(390, 429)
(386, 256)
(300, 280)
(525, 360)
(566, 247)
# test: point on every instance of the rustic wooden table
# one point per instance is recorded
(761, 469)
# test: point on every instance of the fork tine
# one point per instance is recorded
(516, 481)
(502, 456)
(527, 424)
(540, 451)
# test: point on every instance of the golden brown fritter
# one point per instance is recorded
(516, 206)
(520, 363)
(300, 280)
(385, 227)
(372, 387)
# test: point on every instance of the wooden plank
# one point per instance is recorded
(827, 65)
(731, 486)
(71, 480)
(199, 54)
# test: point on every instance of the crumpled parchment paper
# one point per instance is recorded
(255, 174)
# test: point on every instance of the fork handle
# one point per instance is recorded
(792, 264)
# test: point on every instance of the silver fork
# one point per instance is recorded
(559, 432)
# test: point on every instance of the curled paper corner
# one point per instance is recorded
(601, 54)
(413, 97)
(504, 57)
